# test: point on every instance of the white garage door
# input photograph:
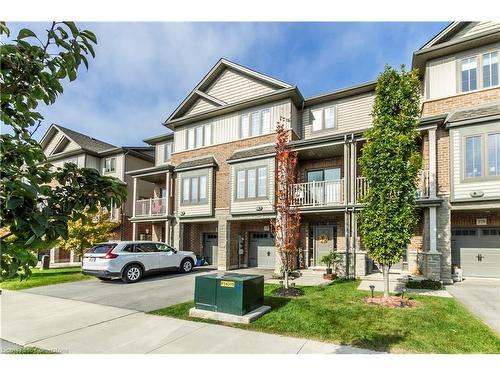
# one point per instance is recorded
(262, 252)
(477, 251)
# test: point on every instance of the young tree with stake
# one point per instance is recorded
(390, 162)
(286, 226)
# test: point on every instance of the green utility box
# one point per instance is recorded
(235, 294)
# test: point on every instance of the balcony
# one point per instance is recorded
(318, 193)
(423, 186)
(151, 207)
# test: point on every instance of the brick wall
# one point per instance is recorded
(446, 105)
(126, 226)
(243, 228)
(417, 241)
(307, 165)
(442, 161)
(223, 172)
(193, 235)
(461, 219)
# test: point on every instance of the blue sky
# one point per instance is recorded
(142, 71)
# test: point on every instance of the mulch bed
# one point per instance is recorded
(290, 292)
(391, 302)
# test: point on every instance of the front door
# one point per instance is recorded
(210, 247)
(323, 243)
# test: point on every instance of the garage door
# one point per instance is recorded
(477, 251)
(262, 252)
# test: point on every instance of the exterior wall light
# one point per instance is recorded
(372, 288)
(259, 208)
(182, 213)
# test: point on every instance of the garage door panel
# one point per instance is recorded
(262, 250)
(480, 262)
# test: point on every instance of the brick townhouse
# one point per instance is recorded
(62, 145)
(212, 183)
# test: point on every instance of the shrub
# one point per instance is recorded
(424, 284)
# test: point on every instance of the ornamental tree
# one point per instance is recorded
(286, 226)
(83, 234)
(390, 162)
(33, 213)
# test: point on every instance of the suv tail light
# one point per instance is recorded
(110, 255)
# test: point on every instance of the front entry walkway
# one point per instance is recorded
(70, 326)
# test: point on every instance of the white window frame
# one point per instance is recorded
(245, 181)
(321, 118)
(112, 165)
(246, 123)
(193, 135)
(497, 171)
(490, 84)
(191, 200)
(481, 161)
(479, 71)
(167, 151)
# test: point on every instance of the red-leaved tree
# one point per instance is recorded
(286, 226)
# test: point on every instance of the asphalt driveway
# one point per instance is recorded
(481, 297)
(151, 293)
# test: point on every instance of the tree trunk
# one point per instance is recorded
(385, 270)
(286, 278)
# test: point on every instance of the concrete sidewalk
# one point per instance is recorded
(70, 326)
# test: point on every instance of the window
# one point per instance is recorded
(255, 123)
(323, 118)
(490, 69)
(251, 183)
(199, 136)
(110, 165)
(473, 166)
(194, 190)
(167, 152)
(494, 154)
(145, 248)
(469, 74)
(164, 247)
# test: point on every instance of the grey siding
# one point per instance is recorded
(201, 105)
(351, 114)
(249, 206)
(232, 86)
(71, 146)
(93, 162)
(160, 152)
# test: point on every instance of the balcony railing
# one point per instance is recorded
(318, 193)
(151, 207)
(423, 186)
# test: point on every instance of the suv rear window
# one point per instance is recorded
(102, 248)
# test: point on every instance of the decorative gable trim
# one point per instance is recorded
(211, 76)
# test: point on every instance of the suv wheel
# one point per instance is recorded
(132, 273)
(187, 265)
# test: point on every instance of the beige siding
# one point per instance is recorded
(119, 172)
(79, 160)
(160, 153)
(295, 120)
(232, 86)
(249, 206)
(71, 146)
(351, 114)
(195, 209)
(462, 189)
(226, 128)
(93, 162)
(442, 78)
(201, 105)
(476, 28)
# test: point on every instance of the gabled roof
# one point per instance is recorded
(444, 34)
(84, 141)
(199, 91)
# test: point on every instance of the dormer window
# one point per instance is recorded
(255, 123)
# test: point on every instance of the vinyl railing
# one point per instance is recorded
(423, 185)
(151, 207)
(318, 193)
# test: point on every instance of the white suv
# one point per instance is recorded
(130, 260)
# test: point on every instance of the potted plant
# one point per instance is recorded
(331, 261)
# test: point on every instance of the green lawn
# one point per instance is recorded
(45, 277)
(337, 313)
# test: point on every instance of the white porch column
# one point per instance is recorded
(167, 232)
(432, 163)
(353, 171)
(134, 197)
(432, 230)
(346, 172)
(167, 192)
(134, 231)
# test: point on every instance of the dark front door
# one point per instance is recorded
(210, 248)
(323, 242)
